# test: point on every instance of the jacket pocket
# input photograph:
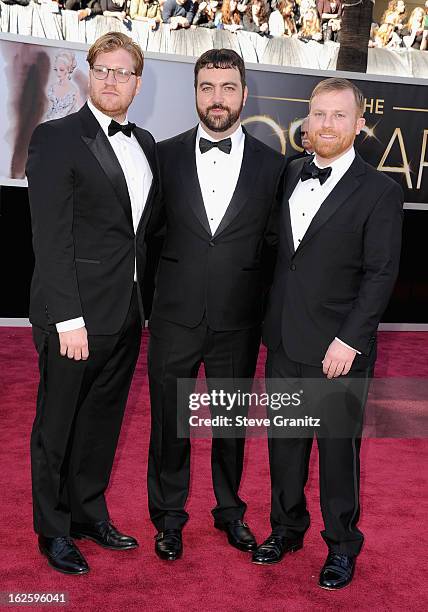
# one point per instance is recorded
(88, 261)
(339, 306)
(174, 259)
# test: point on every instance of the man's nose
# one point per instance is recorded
(327, 120)
(110, 80)
(218, 95)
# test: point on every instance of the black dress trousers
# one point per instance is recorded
(339, 458)
(80, 407)
(176, 352)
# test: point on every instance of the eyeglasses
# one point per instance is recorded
(121, 75)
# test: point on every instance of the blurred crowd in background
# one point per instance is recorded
(318, 20)
(401, 28)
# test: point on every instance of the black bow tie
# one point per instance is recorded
(310, 170)
(116, 127)
(224, 145)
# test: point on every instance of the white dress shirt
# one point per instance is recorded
(138, 176)
(218, 174)
(308, 196)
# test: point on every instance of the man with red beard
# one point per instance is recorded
(92, 183)
(219, 203)
(337, 264)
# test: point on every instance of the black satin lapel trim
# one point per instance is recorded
(287, 225)
(343, 190)
(141, 139)
(292, 177)
(147, 207)
(247, 176)
(189, 176)
(103, 151)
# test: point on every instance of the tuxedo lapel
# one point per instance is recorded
(247, 176)
(349, 182)
(292, 177)
(98, 144)
(189, 175)
(141, 138)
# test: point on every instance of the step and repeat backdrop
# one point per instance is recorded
(395, 139)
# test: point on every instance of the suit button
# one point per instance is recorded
(293, 267)
(212, 243)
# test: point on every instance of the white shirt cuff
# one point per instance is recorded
(70, 325)
(347, 345)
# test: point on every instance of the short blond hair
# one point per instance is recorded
(68, 58)
(338, 84)
(116, 40)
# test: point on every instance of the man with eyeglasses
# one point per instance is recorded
(92, 180)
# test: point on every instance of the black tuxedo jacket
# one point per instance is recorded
(83, 237)
(339, 280)
(221, 275)
(301, 155)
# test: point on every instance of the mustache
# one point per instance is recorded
(218, 107)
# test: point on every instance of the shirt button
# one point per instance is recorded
(312, 189)
(213, 190)
(303, 214)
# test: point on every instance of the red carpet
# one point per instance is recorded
(212, 576)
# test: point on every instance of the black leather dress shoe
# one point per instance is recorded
(169, 544)
(337, 571)
(239, 535)
(63, 555)
(274, 548)
(103, 533)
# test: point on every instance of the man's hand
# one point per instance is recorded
(338, 360)
(74, 344)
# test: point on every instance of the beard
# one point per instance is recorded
(111, 105)
(331, 149)
(219, 123)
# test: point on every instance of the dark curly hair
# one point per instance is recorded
(221, 58)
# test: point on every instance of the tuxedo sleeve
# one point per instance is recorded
(271, 236)
(50, 189)
(381, 258)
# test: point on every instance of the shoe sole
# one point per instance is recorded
(76, 536)
(326, 588)
(294, 549)
(82, 573)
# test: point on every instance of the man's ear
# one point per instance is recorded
(245, 95)
(361, 122)
(138, 86)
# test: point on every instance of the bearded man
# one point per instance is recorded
(90, 213)
(219, 203)
(338, 259)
